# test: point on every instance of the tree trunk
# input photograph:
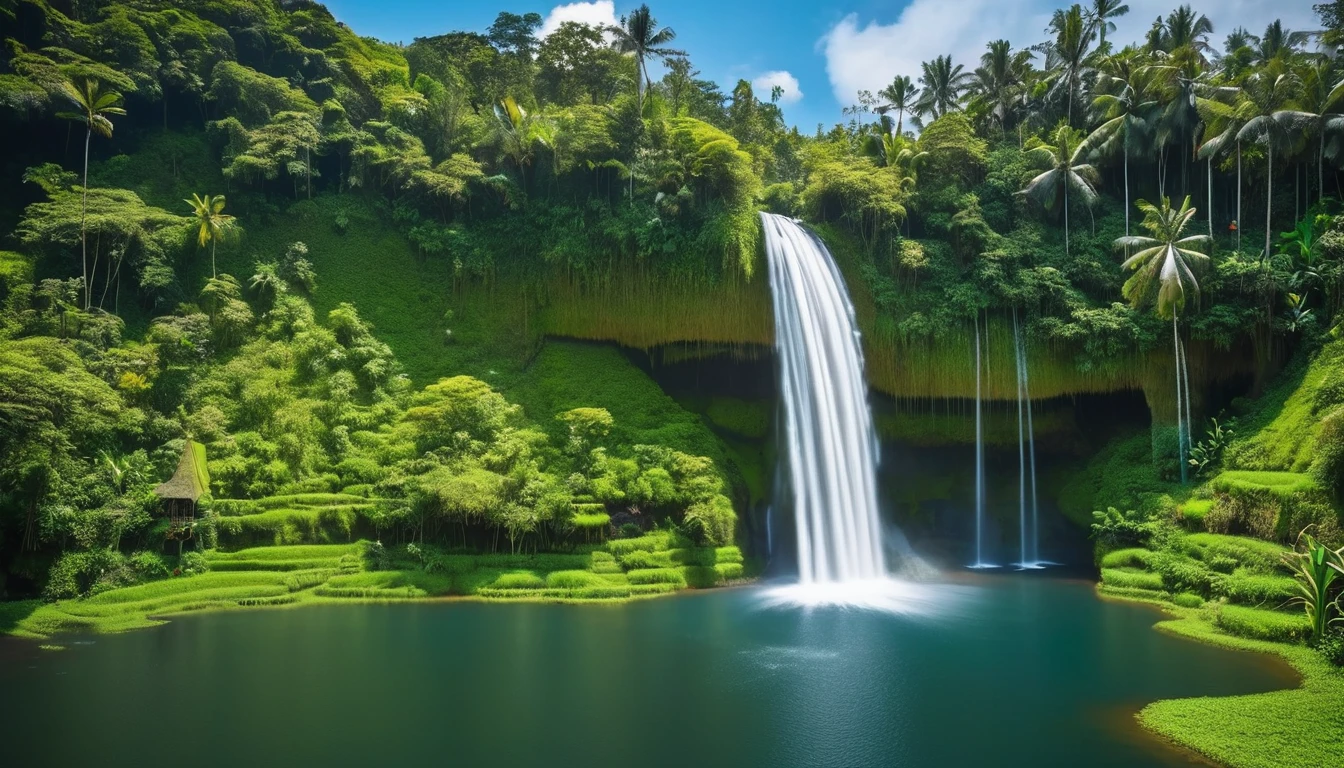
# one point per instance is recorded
(1209, 186)
(1126, 182)
(1238, 195)
(1269, 200)
(1066, 218)
(214, 243)
(83, 217)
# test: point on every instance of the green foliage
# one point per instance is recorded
(1261, 624)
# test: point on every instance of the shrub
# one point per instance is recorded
(1187, 600)
(1332, 647)
(1130, 557)
(701, 577)
(1262, 624)
(1127, 578)
(658, 576)
(641, 559)
(727, 555)
(193, 563)
(148, 565)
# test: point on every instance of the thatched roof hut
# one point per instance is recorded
(188, 483)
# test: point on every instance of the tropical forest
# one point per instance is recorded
(405, 381)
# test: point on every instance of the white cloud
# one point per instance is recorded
(866, 56)
(598, 14)
(764, 84)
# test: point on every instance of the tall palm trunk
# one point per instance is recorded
(1209, 186)
(1238, 195)
(1126, 182)
(1066, 218)
(83, 217)
(1269, 200)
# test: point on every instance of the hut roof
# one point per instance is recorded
(191, 479)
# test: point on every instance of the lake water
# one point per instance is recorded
(1010, 671)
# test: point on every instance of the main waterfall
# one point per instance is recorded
(830, 443)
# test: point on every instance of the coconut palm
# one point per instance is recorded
(1165, 267)
(1265, 95)
(639, 35)
(943, 85)
(1317, 112)
(1278, 42)
(1183, 28)
(95, 104)
(1067, 54)
(1127, 105)
(1066, 170)
(214, 223)
(900, 96)
(997, 84)
(1098, 15)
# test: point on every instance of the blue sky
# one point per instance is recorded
(822, 52)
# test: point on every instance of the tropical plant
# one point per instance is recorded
(943, 85)
(639, 35)
(1265, 95)
(1165, 264)
(900, 96)
(95, 103)
(1067, 54)
(1209, 451)
(1099, 14)
(997, 85)
(213, 223)
(1127, 104)
(517, 134)
(1315, 113)
(1278, 42)
(1066, 170)
(1315, 567)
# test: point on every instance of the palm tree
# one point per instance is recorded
(997, 83)
(1068, 52)
(1099, 14)
(1164, 267)
(640, 36)
(1185, 28)
(1127, 105)
(1278, 42)
(900, 96)
(943, 86)
(1316, 113)
(1265, 95)
(517, 134)
(94, 104)
(214, 223)
(1066, 171)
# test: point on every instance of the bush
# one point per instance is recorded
(1130, 557)
(1261, 624)
(148, 565)
(1128, 578)
(193, 563)
(701, 577)
(641, 559)
(1187, 600)
(1332, 647)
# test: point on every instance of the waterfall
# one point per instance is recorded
(1029, 555)
(829, 438)
(980, 454)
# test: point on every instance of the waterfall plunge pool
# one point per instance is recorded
(1005, 670)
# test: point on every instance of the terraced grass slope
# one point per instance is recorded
(621, 569)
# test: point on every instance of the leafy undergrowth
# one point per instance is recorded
(1232, 592)
(622, 569)
(308, 518)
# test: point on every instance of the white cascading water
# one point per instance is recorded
(830, 442)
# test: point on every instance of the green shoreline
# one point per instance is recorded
(1287, 727)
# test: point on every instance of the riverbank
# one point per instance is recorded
(1292, 727)
(282, 576)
